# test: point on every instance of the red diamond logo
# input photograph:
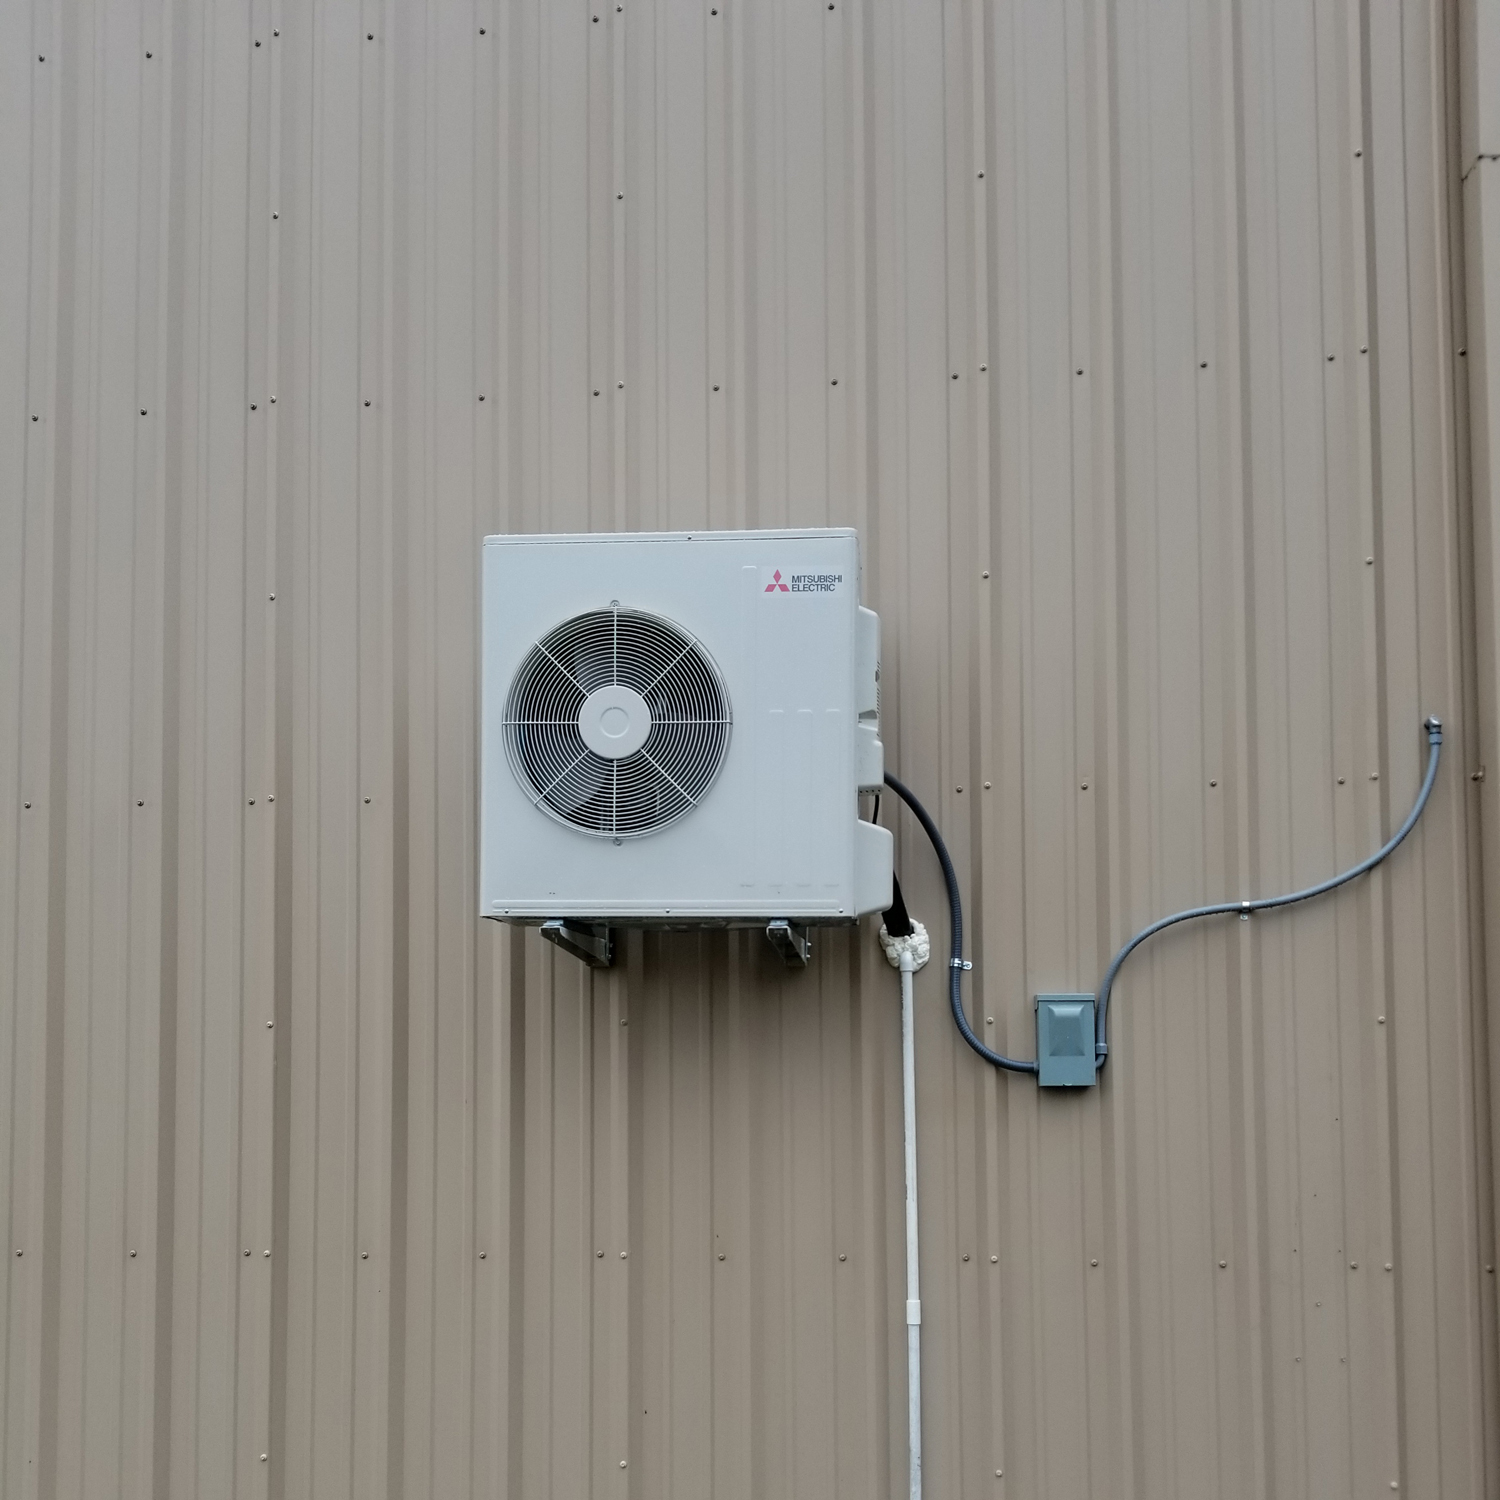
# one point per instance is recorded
(776, 583)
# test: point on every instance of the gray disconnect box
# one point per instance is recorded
(1065, 1041)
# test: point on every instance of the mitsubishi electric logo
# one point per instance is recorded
(805, 583)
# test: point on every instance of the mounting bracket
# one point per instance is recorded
(593, 942)
(791, 941)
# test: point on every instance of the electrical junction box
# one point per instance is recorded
(675, 729)
(1065, 1041)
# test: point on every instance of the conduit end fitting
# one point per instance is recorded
(915, 947)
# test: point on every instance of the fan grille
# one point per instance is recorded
(686, 745)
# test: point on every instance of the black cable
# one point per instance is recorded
(956, 914)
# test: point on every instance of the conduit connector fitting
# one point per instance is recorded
(915, 947)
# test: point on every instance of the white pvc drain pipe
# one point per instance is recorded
(909, 954)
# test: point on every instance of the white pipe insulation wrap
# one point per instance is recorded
(916, 943)
(909, 954)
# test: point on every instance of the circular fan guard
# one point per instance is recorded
(686, 745)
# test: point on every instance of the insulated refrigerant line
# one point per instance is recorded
(1432, 726)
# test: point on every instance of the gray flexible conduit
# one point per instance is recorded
(1434, 729)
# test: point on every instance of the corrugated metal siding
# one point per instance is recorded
(1125, 334)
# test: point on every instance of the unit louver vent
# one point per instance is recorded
(617, 722)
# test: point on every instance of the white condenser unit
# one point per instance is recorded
(676, 730)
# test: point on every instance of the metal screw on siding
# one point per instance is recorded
(1369, 562)
(369, 36)
(1380, 1020)
(1213, 783)
(367, 799)
(619, 385)
(1358, 152)
(622, 1463)
(132, 1255)
(981, 174)
(599, 1254)
(367, 403)
(252, 404)
(481, 1255)
(834, 381)
(28, 804)
(985, 574)
(482, 398)
(989, 1020)
(966, 1257)
(148, 55)
(247, 1250)
(269, 1025)
(623, 1254)
(1364, 348)
(1223, 1265)
(143, 411)
(252, 802)
(481, 31)
(841, 1257)
(275, 214)
(263, 1458)
(1078, 372)
(1388, 1265)
(271, 798)
(955, 374)
(1202, 364)
(273, 401)
(994, 1260)
(1341, 781)
(1093, 1262)
(986, 786)
(1477, 775)
(35, 418)
(1374, 775)
(363, 1254)
(1083, 786)
(140, 804)
(1354, 1265)
(276, 32)
(1462, 353)
(716, 387)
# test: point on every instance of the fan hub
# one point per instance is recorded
(615, 721)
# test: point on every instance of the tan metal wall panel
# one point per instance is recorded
(1126, 336)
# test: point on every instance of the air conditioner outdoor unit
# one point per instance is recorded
(676, 728)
